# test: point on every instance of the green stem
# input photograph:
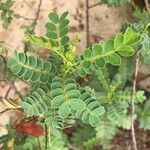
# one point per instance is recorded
(46, 138)
(90, 59)
(61, 55)
(39, 144)
(148, 25)
(49, 138)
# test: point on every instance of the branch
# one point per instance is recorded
(4, 60)
(132, 102)
(37, 15)
(2, 112)
(144, 78)
(7, 93)
(92, 6)
(12, 85)
(147, 6)
(72, 147)
(34, 23)
(25, 18)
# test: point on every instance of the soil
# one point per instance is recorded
(123, 140)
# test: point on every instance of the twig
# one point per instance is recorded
(147, 6)
(8, 109)
(37, 14)
(27, 2)
(87, 24)
(25, 18)
(34, 23)
(132, 102)
(12, 85)
(72, 147)
(7, 93)
(4, 60)
(1, 113)
(92, 6)
(2, 80)
(143, 78)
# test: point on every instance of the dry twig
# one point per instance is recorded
(72, 147)
(37, 14)
(87, 24)
(97, 4)
(7, 93)
(143, 78)
(25, 18)
(147, 6)
(133, 100)
(12, 85)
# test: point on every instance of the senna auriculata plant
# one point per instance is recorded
(59, 99)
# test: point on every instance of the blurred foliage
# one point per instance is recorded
(143, 115)
(116, 2)
(7, 13)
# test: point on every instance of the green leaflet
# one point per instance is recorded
(109, 51)
(92, 112)
(30, 68)
(130, 37)
(64, 110)
(126, 51)
(118, 41)
(114, 59)
(65, 96)
(57, 28)
(37, 103)
(145, 51)
(94, 120)
(40, 41)
(76, 105)
(54, 17)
